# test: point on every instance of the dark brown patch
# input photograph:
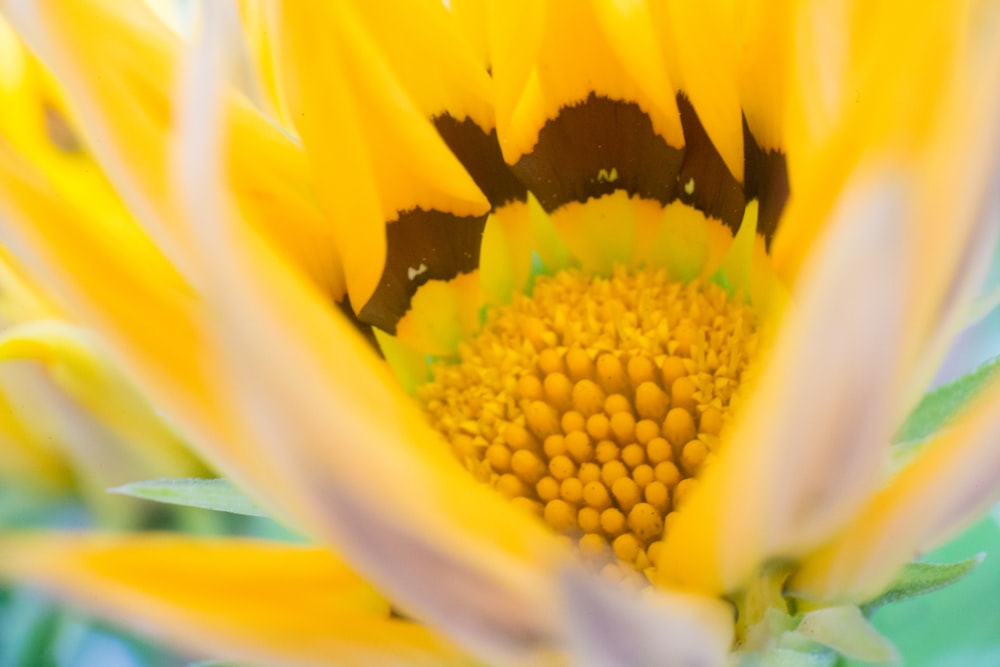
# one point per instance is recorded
(767, 180)
(421, 246)
(599, 134)
(717, 193)
(479, 152)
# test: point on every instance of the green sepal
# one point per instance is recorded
(846, 630)
(211, 494)
(920, 578)
(938, 407)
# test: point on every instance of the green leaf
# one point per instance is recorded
(210, 494)
(920, 578)
(940, 406)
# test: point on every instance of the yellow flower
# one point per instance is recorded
(754, 226)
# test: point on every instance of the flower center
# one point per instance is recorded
(596, 401)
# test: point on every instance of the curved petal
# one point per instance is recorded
(79, 367)
(234, 599)
(951, 483)
(355, 107)
(810, 442)
(703, 51)
(313, 394)
(136, 302)
(118, 66)
(766, 32)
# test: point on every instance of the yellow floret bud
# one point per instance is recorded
(626, 547)
(558, 391)
(571, 490)
(547, 488)
(651, 402)
(611, 471)
(626, 492)
(693, 456)
(617, 403)
(542, 418)
(645, 521)
(658, 495)
(646, 430)
(672, 369)
(610, 374)
(589, 472)
(595, 494)
(562, 467)
(560, 515)
(579, 447)
(682, 394)
(550, 361)
(613, 521)
(498, 456)
(659, 450)
(643, 475)
(587, 397)
(605, 451)
(554, 445)
(623, 427)
(579, 365)
(640, 369)
(573, 421)
(633, 455)
(678, 427)
(527, 466)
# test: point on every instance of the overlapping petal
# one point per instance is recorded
(244, 600)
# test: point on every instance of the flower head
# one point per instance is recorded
(667, 276)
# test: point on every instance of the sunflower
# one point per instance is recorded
(565, 331)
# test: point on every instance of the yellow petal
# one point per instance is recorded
(26, 459)
(809, 444)
(702, 42)
(236, 599)
(136, 301)
(118, 66)
(766, 32)
(81, 369)
(539, 68)
(311, 392)
(374, 151)
(952, 482)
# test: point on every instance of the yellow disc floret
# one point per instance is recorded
(596, 401)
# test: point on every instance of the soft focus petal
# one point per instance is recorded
(951, 483)
(118, 66)
(235, 599)
(609, 626)
(393, 498)
(812, 440)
